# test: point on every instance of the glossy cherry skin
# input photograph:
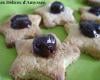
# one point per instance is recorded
(56, 7)
(45, 45)
(20, 22)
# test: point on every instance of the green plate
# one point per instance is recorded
(86, 68)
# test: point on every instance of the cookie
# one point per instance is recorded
(86, 36)
(90, 13)
(55, 13)
(94, 1)
(20, 26)
(44, 58)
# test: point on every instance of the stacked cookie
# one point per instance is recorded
(42, 56)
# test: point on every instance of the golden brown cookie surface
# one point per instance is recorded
(90, 13)
(55, 13)
(94, 1)
(19, 28)
(89, 43)
(28, 63)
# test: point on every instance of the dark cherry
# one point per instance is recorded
(95, 10)
(97, 28)
(44, 45)
(89, 28)
(56, 7)
(20, 22)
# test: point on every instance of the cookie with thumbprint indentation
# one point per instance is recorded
(86, 36)
(20, 26)
(43, 58)
(55, 13)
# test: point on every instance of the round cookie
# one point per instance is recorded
(55, 13)
(20, 26)
(30, 65)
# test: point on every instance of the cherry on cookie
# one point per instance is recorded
(20, 22)
(56, 7)
(45, 45)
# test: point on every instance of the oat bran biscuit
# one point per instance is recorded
(86, 36)
(90, 13)
(94, 1)
(31, 65)
(20, 26)
(55, 13)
